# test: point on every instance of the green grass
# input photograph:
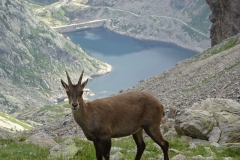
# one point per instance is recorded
(223, 46)
(230, 43)
(56, 108)
(20, 150)
(17, 150)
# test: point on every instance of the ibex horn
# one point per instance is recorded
(80, 79)
(68, 78)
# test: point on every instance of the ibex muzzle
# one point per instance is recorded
(118, 116)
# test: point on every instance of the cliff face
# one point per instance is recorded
(225, 19)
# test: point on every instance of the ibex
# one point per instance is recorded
(117, 116)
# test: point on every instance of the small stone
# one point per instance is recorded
(179, 157)
(186, 138)
(159, 157)
(115, 149)
(198, 157)
(146, 152)
(209, 158)
(117, 156)
(192, 146)
(209, 151)
(214, 144)
(174, 151)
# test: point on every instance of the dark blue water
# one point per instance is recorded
(132, 60)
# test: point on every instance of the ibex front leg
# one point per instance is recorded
(98, 149)
(106, 145)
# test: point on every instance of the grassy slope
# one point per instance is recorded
(15, 121)
(30, 151)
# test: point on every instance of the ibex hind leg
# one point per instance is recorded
(138, 138)
(156, 135)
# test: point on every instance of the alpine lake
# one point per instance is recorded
(132, 60)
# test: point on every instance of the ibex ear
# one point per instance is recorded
(84, 83)
(64, 84)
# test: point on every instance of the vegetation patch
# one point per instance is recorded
(230, 43)
(60, 13)
(225, 45)
(34, 7)
(13, 120)
(15, 150)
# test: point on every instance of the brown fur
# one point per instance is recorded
(122, 115)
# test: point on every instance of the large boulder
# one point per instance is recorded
(217, 120)
(195, 123)
(41, 139)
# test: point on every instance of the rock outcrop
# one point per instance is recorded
(216, 120)
(41, 139)
(195, 123)
(66, 150)
(225, 19)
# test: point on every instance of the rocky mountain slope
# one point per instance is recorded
(33, 59)
(211, 74)
(225, 19)
(183, 22)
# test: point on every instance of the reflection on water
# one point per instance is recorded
(132, 60)
(91, 36)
